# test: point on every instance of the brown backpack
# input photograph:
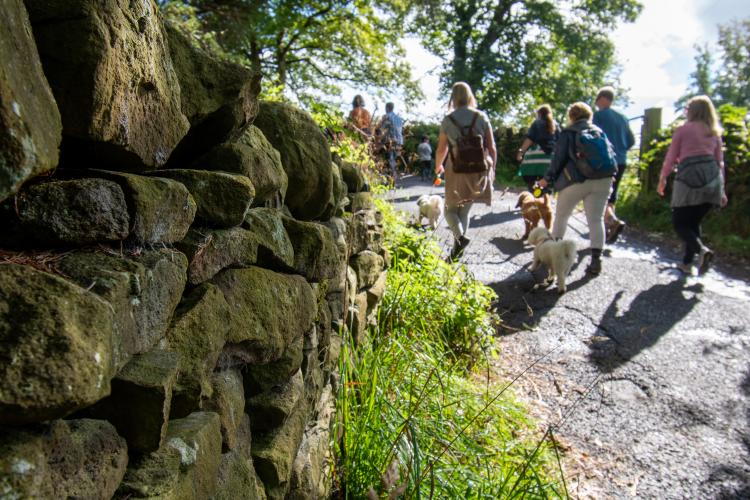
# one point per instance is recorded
(468, 156)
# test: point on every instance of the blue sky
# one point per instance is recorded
(656, 52)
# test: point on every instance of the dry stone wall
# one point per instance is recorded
(175, 281)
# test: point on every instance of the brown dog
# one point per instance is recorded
(533, 209)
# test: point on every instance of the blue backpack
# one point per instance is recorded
(593, 154)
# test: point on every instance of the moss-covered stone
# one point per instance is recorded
(311, 470)
(360, 201)
(75, 212)
(267, 312)
(140, 401)
(368, 266)
(254, 157)
(267, 376)
(305, 157)
(222, 198)
(211, 250)
(161, 210)
(324, 328)
(185, 468)
(365, 231)
(237, 479)
(353, 177)
(109, 67)
(144, 291)
(63, 459)
(30, 127)
(228, 401)
(357, 319)
(218, 97)
(339, 200)
(55, 346)
(316, 256)
(376, 291)
(275, 250)
(273, 407)
(197, 333)
(274, 452)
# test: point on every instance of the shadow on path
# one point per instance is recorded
(510, 247)
(494, 218)
(651, 314)
(520, 306)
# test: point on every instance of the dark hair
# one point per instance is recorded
(545, 113)
(425, 138)
(606, 92)
(358, 102)
(388, 107)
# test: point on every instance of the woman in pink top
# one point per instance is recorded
(699, 179)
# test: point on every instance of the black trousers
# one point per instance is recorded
(687, 224)
(616, 184)
(425, 169)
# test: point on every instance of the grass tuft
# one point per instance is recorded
(415, 420)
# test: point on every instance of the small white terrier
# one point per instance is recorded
(557, 256)
(431, 208)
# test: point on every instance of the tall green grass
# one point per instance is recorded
(415, 419)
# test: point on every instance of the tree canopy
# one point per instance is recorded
(724, 77)
(306, 46)
(518, 53)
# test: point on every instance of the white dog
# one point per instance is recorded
(431, 208)
(557, 256)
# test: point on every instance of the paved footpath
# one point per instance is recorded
(644, 374)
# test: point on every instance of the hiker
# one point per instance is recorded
(536, 151)
(576, 180)
(617, 128)
(359, 116)
(467, 142)
(424, 150)
(699, 182)
(392, 126)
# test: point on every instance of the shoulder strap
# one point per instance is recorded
(473, 122)
(464, 131)
(453, 120)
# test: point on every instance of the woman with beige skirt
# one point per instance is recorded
(463, 189)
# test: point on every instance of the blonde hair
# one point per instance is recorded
(701, 109)
(579, 111)
(461, 95)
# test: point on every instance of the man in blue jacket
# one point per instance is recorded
(617, 128)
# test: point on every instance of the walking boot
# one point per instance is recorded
(595, 266)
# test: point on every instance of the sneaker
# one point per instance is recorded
(685, 268)
(614, 230)
(594, 267)
(704, 260)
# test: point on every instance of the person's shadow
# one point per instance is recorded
(652, 313)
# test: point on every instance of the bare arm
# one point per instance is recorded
(489, 139)
(527, 143)
(442, 153)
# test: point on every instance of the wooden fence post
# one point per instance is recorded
(649, 130)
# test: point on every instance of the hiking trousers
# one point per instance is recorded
(593, 193)
(687, 224)
(458, 219)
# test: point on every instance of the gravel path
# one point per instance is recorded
(645, 375)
